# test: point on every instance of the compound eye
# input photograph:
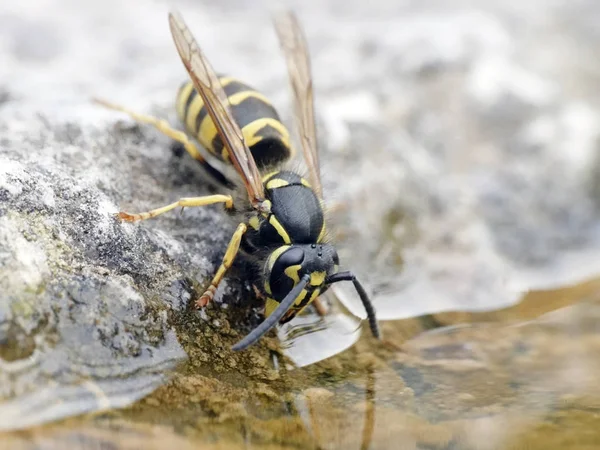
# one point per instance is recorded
(292, 257)
(285, 272)
(336, 258)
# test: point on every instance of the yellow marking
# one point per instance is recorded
(230, 254)
(269, 175)
(225, 154)
(276, 254)
(192, 113)
(270, 306)
(206, 134)
(321, 234)
(317, 278)
(280, 230)
(227, 80)
(252, 128)
(323, 228)
(207, 131)
(182, 96)
(254, 222)
(267, 287)
(312, 298)
(239, 97)
(277, 183)
(305, 182)
(292, 272)
(314, 295)
(183, 202)
(300, 298)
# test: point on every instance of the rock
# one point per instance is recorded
(79, 331)
(479, 180)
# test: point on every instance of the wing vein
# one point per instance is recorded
(217, 105)
(294, 46)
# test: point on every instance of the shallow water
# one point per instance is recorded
(522, 377)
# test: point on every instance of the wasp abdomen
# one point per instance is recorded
(265, 135)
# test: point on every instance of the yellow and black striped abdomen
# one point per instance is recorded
(265, 135)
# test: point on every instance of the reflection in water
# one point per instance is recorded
(367, 435)
(481, 386)
(316, 407)
(311, 338)
(511, 380)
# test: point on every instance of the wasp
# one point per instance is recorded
(281, 227)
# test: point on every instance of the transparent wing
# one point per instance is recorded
(293, 44)
(207, 84)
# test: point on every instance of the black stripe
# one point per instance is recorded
(192, 95)
(182, 86)
(269, 151)
(200, 117)
(218, 175)
(217, 145)
(234, 87)
(251, 109)
(246, 112)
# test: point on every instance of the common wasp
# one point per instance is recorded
(281, 230)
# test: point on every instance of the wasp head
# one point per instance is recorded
(294, 275)
(287, 265)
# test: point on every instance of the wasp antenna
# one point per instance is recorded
(275, 317)
(368, 307)
(364, 298)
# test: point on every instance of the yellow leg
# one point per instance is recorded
(230, 253)
(160, 124)
(183, 202)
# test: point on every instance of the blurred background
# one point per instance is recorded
(459, 145)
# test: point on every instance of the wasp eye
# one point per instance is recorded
(284, 274)
(336, 258)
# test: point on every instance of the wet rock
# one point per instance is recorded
(82, 326)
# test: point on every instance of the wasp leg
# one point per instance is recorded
(230, 254)
(179, 136)
(161, 125)
(257, 292)
(319, 306)
(183, 202)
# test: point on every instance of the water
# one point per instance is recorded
(522, 377)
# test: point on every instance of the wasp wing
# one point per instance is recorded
(293, 44)
(208, 86)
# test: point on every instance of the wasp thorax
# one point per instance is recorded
(289, 263)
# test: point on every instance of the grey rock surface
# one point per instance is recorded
(460, 139)
(84, 300)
